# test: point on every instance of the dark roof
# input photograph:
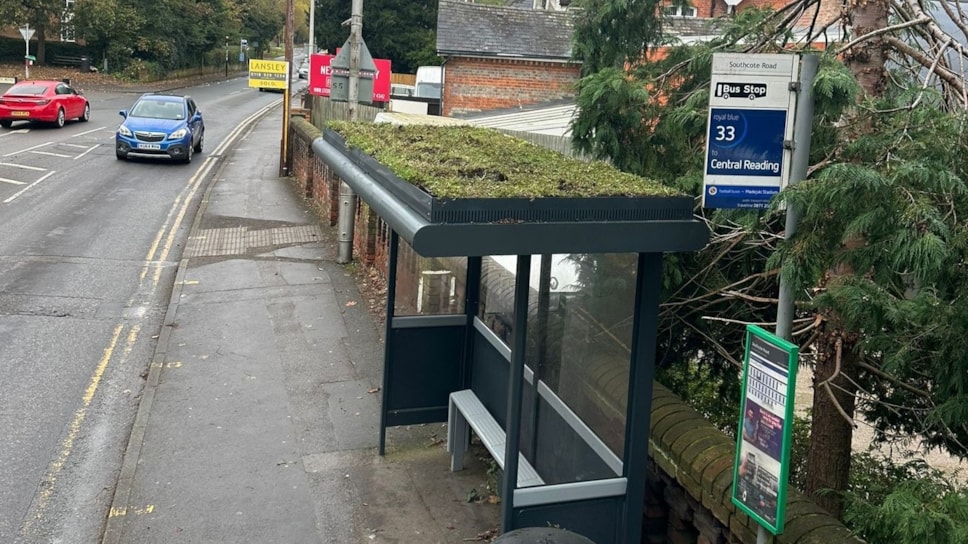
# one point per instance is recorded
(692, 27)
(478, 30)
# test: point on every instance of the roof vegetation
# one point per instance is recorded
(476, 162)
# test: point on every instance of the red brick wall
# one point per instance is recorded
(474, 85)
(829, 9)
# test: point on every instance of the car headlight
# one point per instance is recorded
(124, 131)
(178, 134)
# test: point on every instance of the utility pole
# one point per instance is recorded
(312, 26)
(226, 56)
(347, 198)
(286, 97)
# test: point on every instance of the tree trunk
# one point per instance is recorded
(41, 44)
(831, 428)
(866, 60)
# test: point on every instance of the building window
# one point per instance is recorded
(67, 22)
(680, 11)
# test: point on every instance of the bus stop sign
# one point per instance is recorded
(751, 106)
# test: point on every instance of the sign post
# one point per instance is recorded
(765, 434)
(750, 129)
(27, 33)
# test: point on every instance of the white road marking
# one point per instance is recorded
(24, 166)
(89, 131)
(61, 155)
(28, 149)
(12, 181)
(18, 131)
(27, 188)
(92, 148)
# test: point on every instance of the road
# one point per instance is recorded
(89, 246)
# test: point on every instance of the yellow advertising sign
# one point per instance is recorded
(268, 74)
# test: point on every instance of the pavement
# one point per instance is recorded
(259, 420)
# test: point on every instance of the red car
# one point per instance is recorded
(47, 101)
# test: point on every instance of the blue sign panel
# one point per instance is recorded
(744, 144)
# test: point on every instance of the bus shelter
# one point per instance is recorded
(534, 325)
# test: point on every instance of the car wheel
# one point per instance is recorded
(5, 123)
(121, 156)
(201, 142)
(86, 116)
(189, 153)
(61, 118)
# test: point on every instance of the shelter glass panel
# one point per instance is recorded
(429, 285)
(579, 343)
(580, 325)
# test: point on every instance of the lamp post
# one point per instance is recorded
(226, 56)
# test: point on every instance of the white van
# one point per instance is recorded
(429, 81)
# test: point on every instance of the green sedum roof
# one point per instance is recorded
(476, 162)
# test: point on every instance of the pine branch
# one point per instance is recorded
(893, 380)
(880, 32)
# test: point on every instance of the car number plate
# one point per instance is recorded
(149, 146)
(21, 114)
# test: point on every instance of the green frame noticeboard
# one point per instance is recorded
(765, 433)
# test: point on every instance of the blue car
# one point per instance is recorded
(161, 126)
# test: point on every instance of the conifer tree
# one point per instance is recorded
(877, 257)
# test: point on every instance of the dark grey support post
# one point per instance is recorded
(387, 333)
(641, 375)
(472, 304)
(515, 385)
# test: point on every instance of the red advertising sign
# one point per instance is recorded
(320, 74)
(381, 84)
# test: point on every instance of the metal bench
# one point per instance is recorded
(466, 410)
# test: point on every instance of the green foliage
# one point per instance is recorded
(898, 188)
(465, 161)
(706, 388)
(259, 22)
(884, 201)
(108, 27)
(400, 30)
(908, 503)
(614, 33)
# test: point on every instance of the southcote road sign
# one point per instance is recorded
(751, 101)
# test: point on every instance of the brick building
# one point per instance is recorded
(499, 57)
(519, 55)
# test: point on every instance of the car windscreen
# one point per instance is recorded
(28, 90)
(158, 109)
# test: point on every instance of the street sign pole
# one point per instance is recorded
(26, 32)
(803, 129)
(347, 198)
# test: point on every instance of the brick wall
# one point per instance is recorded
(829, 10)
(474, 85)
